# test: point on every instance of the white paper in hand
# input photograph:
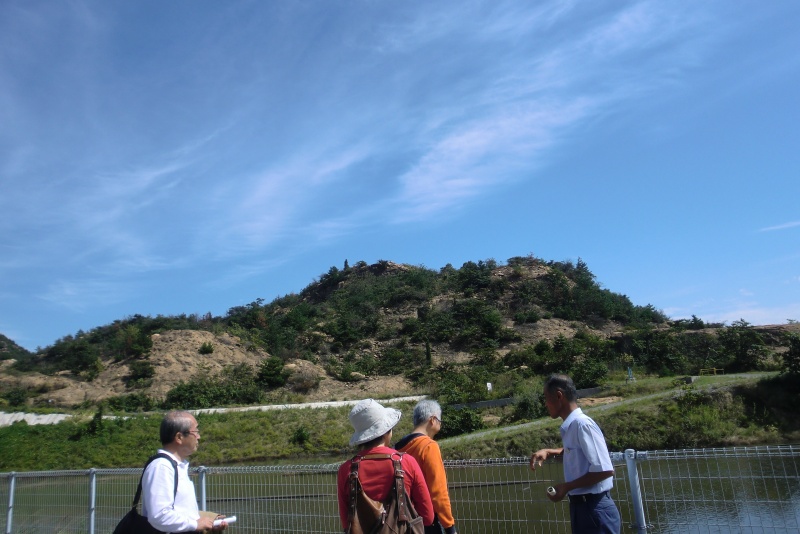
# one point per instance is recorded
(229, 520)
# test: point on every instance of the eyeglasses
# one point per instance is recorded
(440, 421)
(195, 433)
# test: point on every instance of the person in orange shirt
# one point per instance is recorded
(427, 419)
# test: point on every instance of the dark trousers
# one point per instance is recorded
(594, 514)
(435, 528)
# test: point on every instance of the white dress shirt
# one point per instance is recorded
(165, 513)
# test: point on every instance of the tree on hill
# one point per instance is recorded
(11, 351)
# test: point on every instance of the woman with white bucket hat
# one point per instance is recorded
(373, 425)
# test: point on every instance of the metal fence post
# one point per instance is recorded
(202, 469)
(636, 492)
(92, 497)
(12, 483)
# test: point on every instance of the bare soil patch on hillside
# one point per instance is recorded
(379, 387)
(596, 401)
(175, 356)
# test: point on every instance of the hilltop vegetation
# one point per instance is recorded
(10, 350)
(447, 332)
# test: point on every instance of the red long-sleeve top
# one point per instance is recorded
(377, 477)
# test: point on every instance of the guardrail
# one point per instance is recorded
(739, 489)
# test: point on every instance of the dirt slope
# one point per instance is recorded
(175, 356)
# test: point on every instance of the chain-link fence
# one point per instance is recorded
(730, 490)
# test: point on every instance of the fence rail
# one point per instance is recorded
(726, 490)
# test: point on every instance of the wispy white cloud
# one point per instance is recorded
(784, 226)
(247, 270)
(756, 314)
(276, 205)
(637, 28)
(516, 120)
(79, 295)
(523, 19)
(481, 155)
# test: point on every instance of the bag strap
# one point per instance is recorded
(400, 491)
(149, 461)
(355, 483)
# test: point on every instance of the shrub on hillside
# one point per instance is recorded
(271, 373)
(462, 421)
(15, 396)
(791, 359)
(528, 405)
(304, 381)
(134, 402)
(589, 373)
(236, 384)
(458, 384)
(141, 374)
(131, 341)
(745, 345)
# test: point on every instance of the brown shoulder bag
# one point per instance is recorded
(395, 516)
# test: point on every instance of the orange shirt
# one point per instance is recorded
(429, 456)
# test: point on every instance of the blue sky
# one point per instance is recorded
(191, 156)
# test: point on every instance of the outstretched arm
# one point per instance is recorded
(538, 457)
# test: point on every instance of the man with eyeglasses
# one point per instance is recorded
(427, 420)
(167, 508)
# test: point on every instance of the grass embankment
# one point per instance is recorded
(662, 413)
(229, 438)
(654, 414)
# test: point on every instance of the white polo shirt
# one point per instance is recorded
(585, 451)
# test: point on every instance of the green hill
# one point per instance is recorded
(447, 332)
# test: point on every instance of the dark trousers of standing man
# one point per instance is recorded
(594, 513)
(437, 528)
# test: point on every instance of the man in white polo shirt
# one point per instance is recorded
(588, 472)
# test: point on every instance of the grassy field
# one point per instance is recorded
(653, 413)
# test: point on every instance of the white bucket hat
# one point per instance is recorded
(371, 420)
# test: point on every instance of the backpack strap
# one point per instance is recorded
(149, 461)
(354, 484)
(400, 490)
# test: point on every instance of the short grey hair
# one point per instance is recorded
(424, 410)
(173, 423)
